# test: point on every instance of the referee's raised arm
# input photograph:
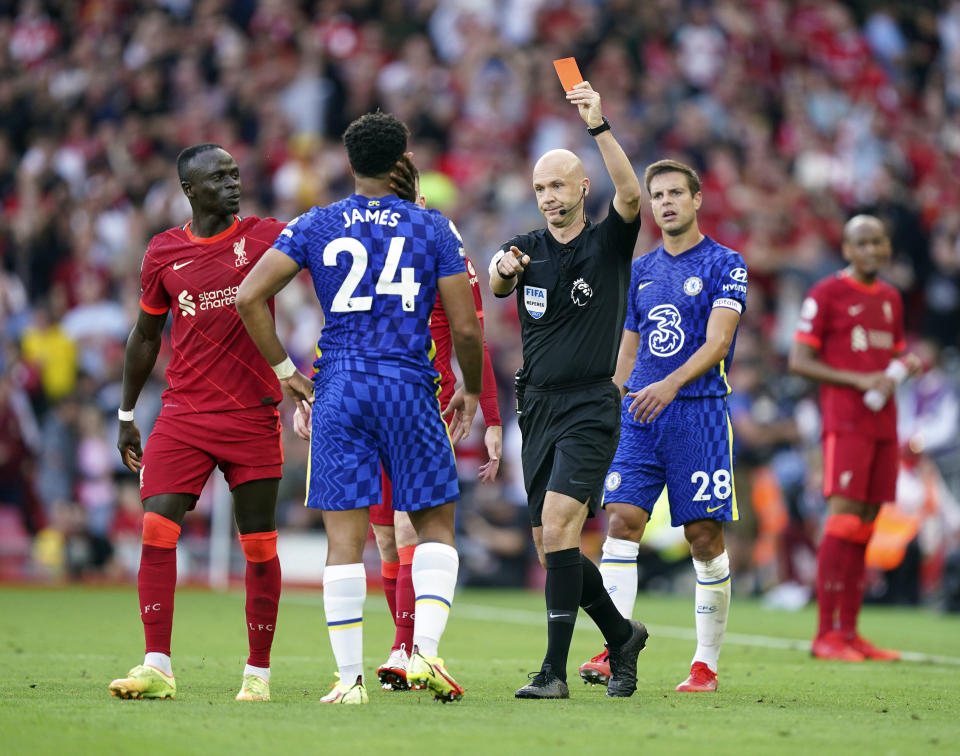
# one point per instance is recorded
(626, 201)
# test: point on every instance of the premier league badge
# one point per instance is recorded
(535, 300)
(581, 292)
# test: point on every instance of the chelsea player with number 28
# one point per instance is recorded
(685, 302)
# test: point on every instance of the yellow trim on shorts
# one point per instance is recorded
(733, 489)
(446, 428)
(723, 375)
(306, 496)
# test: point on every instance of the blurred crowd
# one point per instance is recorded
(796, 113)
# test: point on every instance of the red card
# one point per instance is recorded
(568, 72)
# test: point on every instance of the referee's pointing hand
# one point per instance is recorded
(512, 263)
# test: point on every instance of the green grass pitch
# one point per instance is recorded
(59, 648)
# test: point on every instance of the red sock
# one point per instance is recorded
(388, 575)
(832, 560)
(157, 581)
(263, 593)
(406, 600)
(855, 569)
(827, 579)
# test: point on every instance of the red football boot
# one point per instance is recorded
(835, 646)
(597, 670)
(870, 651)
(702, 680)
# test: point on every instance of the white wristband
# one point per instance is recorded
(125, 415)
(493, 263)
(285, 369)
(897, 371)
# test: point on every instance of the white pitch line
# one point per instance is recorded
(528, 617)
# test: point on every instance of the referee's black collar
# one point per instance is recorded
(554, 243)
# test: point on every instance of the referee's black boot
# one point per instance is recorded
(623, 662)
(544, 684)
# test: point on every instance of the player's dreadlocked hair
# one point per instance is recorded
(188, 154)
(375, 142)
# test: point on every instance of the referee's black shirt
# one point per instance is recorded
(572, 301)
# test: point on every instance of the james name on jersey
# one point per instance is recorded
(384, 218)
(375, 263)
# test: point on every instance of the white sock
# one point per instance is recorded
(159, 661)
(262, 672)
(618, 567)
(434, 573)
(712, 603)
(344, 591)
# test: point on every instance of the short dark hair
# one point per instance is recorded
(189, 153)
(672, 166)
(375, 142)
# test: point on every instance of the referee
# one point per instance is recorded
(571, 280)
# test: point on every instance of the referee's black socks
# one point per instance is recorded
(563, 589)
(597, 603)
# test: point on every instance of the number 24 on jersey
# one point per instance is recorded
(406, 287)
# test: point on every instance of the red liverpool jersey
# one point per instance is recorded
(215, 366)
(859, 328)
(440, 332)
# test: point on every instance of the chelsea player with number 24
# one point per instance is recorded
(377, 263)
(685, 302)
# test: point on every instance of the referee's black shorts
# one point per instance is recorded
(569, 439)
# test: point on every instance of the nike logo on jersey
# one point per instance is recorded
(645, 283)
(856, 310)
(714, 509)
(178, 265)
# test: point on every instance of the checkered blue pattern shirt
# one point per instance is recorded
(670, 300)
(375, 263)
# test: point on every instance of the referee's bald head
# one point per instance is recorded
(559, 163)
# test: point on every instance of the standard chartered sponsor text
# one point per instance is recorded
(210, 300)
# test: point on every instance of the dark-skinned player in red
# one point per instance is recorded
(219, 409)
(849, 339)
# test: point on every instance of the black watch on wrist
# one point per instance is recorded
(605, 126)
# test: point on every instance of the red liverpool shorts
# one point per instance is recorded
(182, 450)
(859, 468)
(381, 513)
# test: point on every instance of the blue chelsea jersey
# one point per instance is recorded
(671, 298)
(375, 263)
